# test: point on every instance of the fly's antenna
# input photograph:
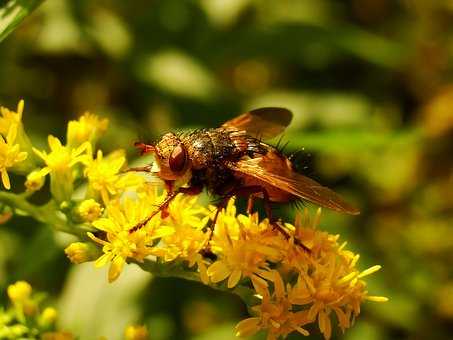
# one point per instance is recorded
(144, 148)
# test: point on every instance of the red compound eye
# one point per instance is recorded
(178, 158)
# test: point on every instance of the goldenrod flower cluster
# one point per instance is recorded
(285, 286)
(11, 148)
(26, 319)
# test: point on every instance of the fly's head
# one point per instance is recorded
(172, 161)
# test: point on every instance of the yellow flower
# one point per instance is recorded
(35, 181)
(20, 295)
(10, 118)
(19, 292)
(13, 120)
(188, 219)
(59, 163)
(10, 155)
(276, 313)
(327, 282)
(80, 252)
(48, 317)
(88, 128)
(242, 245)
(104, 176)
(119, 243)
(136, 333)
(89, 210)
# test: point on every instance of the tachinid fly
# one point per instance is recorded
(233, 160)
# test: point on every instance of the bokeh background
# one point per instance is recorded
(370, 85)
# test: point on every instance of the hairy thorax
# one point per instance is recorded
(210, 151)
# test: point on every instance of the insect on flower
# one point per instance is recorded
(233, 160)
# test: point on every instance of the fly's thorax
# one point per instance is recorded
(209, 147)
(200, 148)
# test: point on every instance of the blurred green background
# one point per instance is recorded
(370, 86)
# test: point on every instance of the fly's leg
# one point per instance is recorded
(146, 168)
(222, 205)
(163, 207)
(276, 225)
(251, 191)
(250, 204)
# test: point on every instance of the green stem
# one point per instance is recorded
(178, 270)
(47, 214)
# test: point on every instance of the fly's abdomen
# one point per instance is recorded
(214, 147)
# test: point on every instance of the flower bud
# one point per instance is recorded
(89, 210)
(80, 252)
(35, 181)
(19, 292)
(48, 317)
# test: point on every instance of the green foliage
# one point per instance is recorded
(13, 12)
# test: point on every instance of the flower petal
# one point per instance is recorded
(218, 271)
(234, 278)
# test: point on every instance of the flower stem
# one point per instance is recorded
(178, 270)
(48, 214)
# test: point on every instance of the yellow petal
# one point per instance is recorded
(325, 325)
(203, 272)
(40, 154)
(20, 108)
(12, 132)
(54, 142)
(218, 271)
(377, 298)
(234, 278)
(279, 286)
(5, 179)
(21, 156)
(104, 224)
(102, 261)
(116, 268)
(369, 271)
(248, 327)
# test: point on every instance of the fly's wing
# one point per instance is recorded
(276, 172)
(264, 123)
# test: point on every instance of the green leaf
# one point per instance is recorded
(12, 13)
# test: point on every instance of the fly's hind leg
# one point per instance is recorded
(250, 204)
(251, 191)
(277, 225)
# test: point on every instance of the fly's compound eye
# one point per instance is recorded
(178, 159)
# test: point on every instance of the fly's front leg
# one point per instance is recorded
(146, 168)
(163, 207)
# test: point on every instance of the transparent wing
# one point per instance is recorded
(264, 123)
